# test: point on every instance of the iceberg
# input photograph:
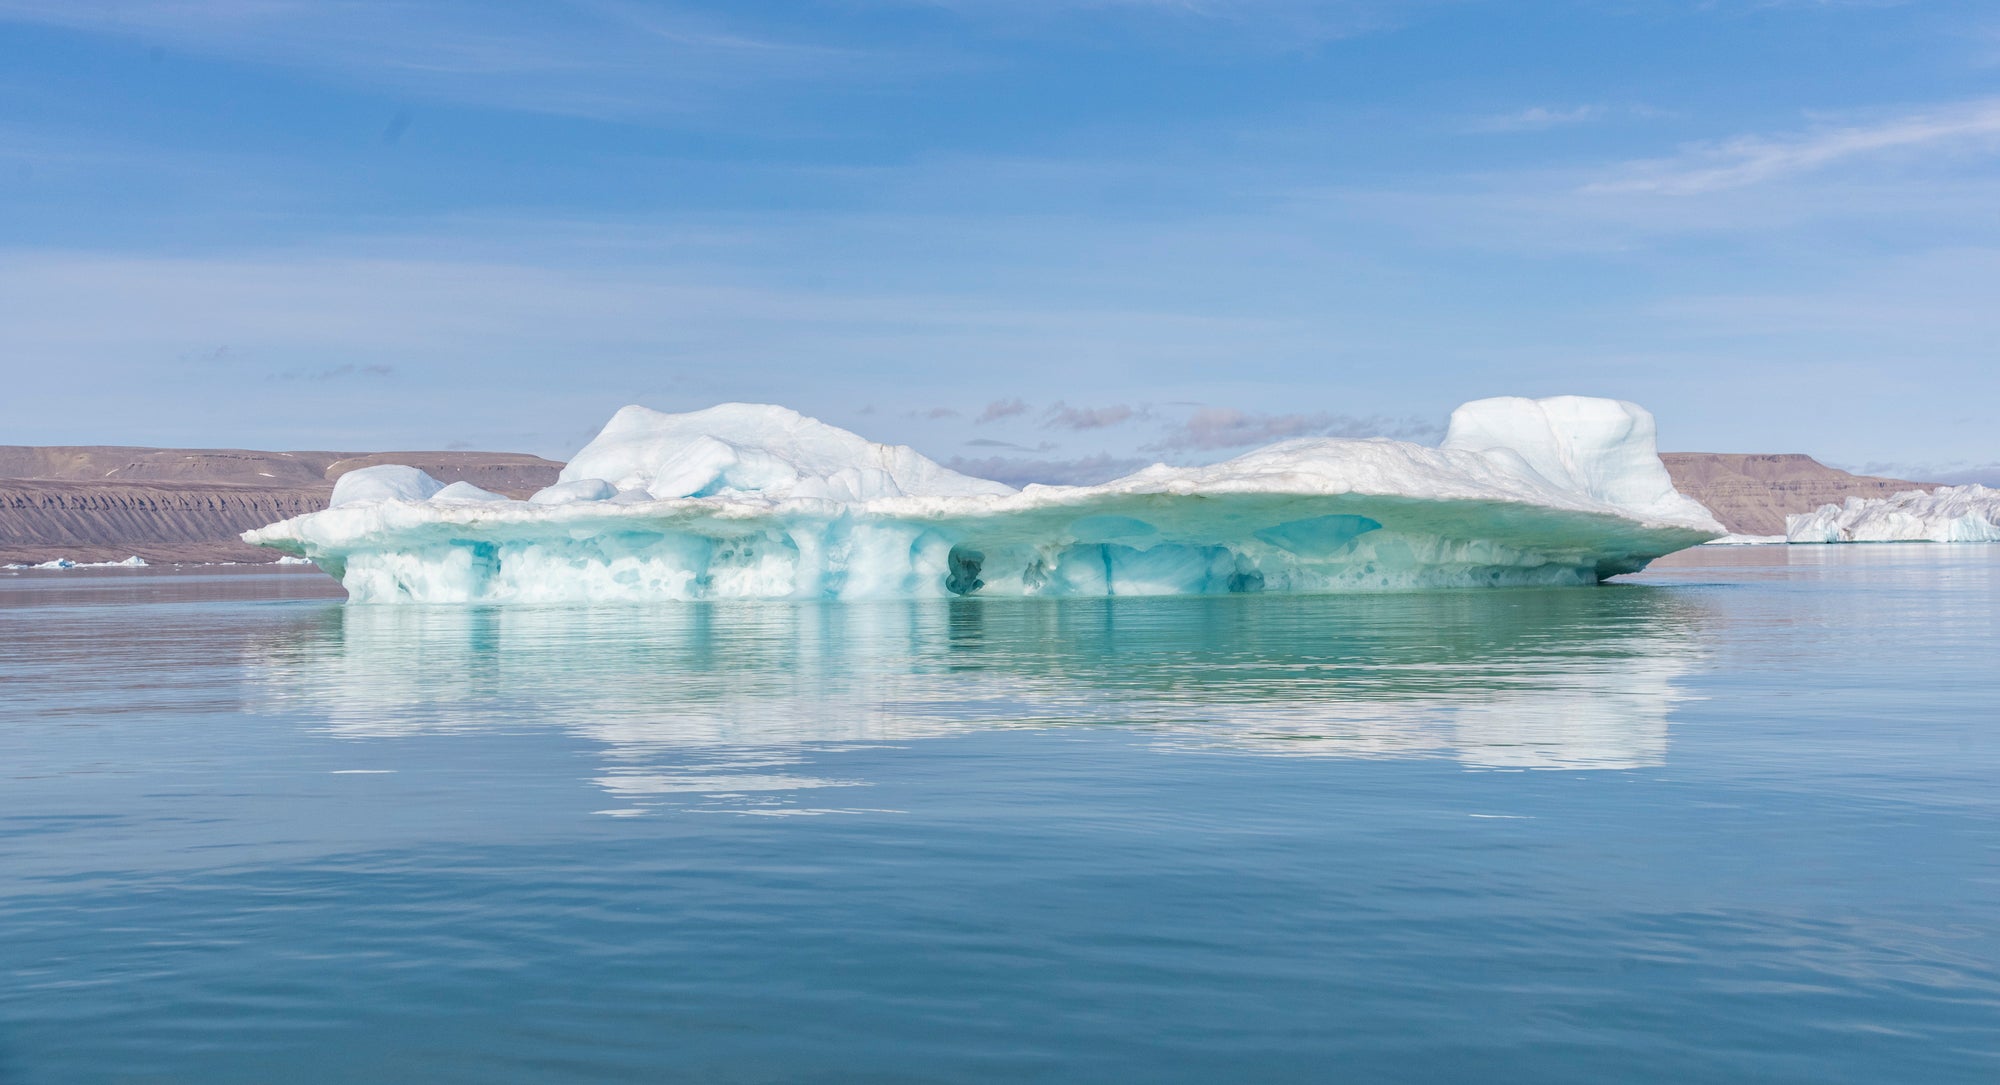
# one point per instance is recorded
(1946, 514)
(757, 501)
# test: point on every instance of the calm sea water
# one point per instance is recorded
(1736, 821)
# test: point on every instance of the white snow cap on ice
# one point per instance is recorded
(1605, 448)
(746, 448)
(465, 491)
(384, 482)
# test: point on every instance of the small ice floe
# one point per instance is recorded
(1747, 540)
(133, 562)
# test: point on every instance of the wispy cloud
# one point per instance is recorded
(1064, 416)
(1987, 474)
(1214, 428)
(1002, 408)
(336, 372)
(1950, 473)
(452, 313)
(1269, 24)
(599, 58)
(1750, 160)
(629, 59)
(988, 442)
(1538, 118)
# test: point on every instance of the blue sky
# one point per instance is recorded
(1041, 238)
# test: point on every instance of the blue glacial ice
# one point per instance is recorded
(755, 501)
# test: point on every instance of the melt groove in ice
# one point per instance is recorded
(754, 501)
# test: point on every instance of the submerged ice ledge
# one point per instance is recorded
(752, 501)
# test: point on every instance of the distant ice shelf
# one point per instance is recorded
(1947, 514)
(754, 501)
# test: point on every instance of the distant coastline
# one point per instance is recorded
(99, 503)
(1752, 493)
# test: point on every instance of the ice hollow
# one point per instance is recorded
(753, 501)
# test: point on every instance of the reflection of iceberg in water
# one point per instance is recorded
(734, 699)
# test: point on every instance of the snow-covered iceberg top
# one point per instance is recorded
(1947, 514)
(746, 500)
(743, 448)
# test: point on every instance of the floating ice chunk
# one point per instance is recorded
(1947, 514)
(751, 501)
(133, 562)
(290, 560)
(1747, 540)
(583, 489)
(386, 482)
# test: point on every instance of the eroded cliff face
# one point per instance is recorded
(98, 521)
(1752, 493)
(105, 503)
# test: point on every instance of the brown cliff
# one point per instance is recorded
(1751, 493)
(106, 503)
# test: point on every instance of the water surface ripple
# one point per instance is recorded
(1734, 821)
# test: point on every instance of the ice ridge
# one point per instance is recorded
(756, 501)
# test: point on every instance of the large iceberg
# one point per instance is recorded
(1946, 514)
(754, 501)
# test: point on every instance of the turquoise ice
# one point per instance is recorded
(756, 501)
